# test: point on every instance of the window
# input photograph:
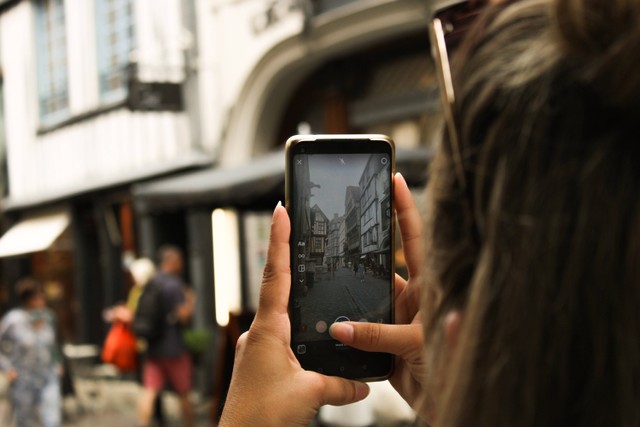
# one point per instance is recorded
(370, 237)
(114, 23)
(318, 245)
(370, 214)
(51, 49)
(386, 213)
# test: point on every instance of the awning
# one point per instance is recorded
(224, 186)
(248, 184)
(34, 233)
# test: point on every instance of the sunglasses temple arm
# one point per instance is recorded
(447, 94)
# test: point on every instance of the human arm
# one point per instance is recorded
(268, 387)
(184, 311)
(56, 349)
(6, 327)
(118, 313)
(404, 338)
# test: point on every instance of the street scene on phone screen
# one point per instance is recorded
(342, 241)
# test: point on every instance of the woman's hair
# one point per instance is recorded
(26, 289)
(542, 246)
(142, 270)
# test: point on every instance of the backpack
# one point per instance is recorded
(150, 319)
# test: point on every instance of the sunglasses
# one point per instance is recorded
(448, 28)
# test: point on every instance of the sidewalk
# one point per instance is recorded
(113, 402)
(104, 400)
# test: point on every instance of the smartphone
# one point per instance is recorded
(339, 196)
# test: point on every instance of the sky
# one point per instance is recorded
(334, 176)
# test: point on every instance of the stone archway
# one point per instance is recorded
(253, 122)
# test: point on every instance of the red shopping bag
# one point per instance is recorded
(120, 348)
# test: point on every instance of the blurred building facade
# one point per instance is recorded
(130, 120)
(95, 97)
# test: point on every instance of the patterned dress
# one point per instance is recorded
(28, 346)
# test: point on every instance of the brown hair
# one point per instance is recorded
(542, 247)
(27, 288)
(168, 252)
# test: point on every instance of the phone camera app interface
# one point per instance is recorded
(341, 249)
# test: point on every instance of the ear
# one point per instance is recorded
(452, 327)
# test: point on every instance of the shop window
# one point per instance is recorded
(115, 40)
(51, 49)
(54, 268)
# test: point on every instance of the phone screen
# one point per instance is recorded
(340, 204)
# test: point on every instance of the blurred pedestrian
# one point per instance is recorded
(361, 269)
(141, 270)
(30, 358)
(167, 357)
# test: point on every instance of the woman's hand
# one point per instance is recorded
(268, 387)
(405, 337)
(123, 314)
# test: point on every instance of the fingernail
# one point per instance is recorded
(343, 332)
(362, 391)
(277, 206)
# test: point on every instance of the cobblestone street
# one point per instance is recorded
(342, 296)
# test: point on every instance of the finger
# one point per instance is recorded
(339, 391)
(400, 285)
(410, 225)
(276, 280)
(407, 301)
(400, 340)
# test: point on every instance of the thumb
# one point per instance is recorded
(396, 339)
(276, 281)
